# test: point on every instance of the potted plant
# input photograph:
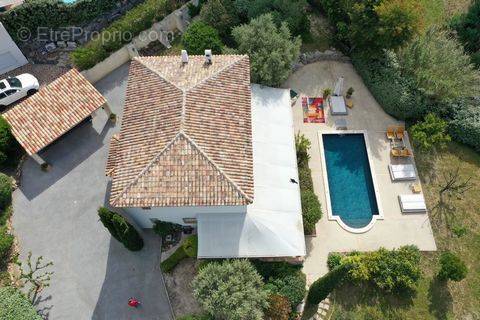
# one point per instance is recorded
(348, 97)
(350, 91)
(113, 117)
(326, 93)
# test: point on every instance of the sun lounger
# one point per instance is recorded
(412, 203)
(400, 133)
(402, 172)
(391, 133)
(337, 106)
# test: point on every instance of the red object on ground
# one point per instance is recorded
(132, 302)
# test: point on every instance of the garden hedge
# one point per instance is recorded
(190, 246)
(465, 126)
(15, 306)
(452, 267)
(6, 242)
(311, 209)
(171, 262)
(5, 191)
(200, 36)
(53, 14)
(322, 287)
(121, 31)
(7, 141)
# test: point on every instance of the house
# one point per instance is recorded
(10, 55)
(199, 145)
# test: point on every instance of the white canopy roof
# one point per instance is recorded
(272, 226)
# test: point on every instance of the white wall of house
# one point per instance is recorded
(144, 217)
(10, 56)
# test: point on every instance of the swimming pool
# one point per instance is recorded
(351, 194)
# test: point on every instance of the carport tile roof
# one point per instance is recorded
(42, 118)
(186, 136)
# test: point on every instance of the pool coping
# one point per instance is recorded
(330, 214)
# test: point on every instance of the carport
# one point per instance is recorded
(58, 107)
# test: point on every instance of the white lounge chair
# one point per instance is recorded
(402, 172)
(338, 106)
(412, 203)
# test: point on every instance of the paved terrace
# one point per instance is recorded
(396, 229)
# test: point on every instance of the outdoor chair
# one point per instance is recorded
(391, 133)
(400, 133)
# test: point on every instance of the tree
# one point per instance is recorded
(451, 267)
(120, 229)
(290, 11)
(221, 15)
(231, 290)
(271, 49)
(468, 30)
(440, 67)
(200, 36)
(35, 276)
(431, 133)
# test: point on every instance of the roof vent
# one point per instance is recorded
(184, 57)
(208, 56)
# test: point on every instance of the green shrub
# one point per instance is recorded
(15, 306)
(6, 242)
(171, 262)
(431, 133)
(231, 289)
(200, 36)
(190, 246)
(194, 10)
(278, 308)
(271, 49)
(163, 228)
(305, 177)
(468, 30)
(322, 287)
(221, 15)
(465, 126)
(132, 23)
(395, 93)
(275, 269)
(334, 260)
(290, 11)
(302, 145)
(311, 210)
(5, 191)
(451, 267)
(291, 286)
(120, 229)
(7, 141)
(52, 14)
(394, 271)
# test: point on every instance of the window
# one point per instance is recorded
(14, 82)
(10, 92)
(2, 95)
(190, 220)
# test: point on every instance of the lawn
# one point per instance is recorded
(433, 300)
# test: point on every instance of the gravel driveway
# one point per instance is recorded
(55, 216)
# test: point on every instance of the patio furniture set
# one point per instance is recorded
(411, 203)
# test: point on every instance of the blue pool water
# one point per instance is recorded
(352, 194)
(69, 1)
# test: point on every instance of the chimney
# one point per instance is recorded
(208, 56)
(184, 57)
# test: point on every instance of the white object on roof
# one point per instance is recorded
(402, 172)
(337, 106)
(272, 226)
(337, 91)
(184, 56)
(412, 203)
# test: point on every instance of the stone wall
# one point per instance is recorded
(327, 55)
(178, 20)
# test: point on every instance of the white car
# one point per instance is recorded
(15, 88)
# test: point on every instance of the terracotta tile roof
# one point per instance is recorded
(44, 117)
(112, 155)
(186, 136)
